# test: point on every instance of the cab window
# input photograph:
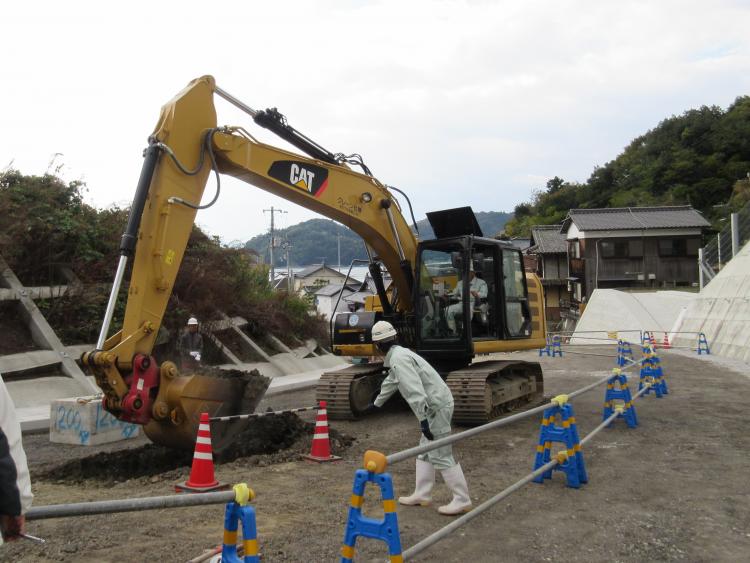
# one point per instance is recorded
(517, 316)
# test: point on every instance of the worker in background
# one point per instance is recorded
(191, 345)
(15, 484)
(478, 291)
(432, 403)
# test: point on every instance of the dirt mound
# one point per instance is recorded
(275, 434)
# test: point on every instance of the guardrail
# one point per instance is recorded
(557, 339)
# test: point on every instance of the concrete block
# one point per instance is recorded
(84, 422)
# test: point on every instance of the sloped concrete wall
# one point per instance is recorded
(722, 311)
(611, 310)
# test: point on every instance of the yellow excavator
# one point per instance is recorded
(454, 298)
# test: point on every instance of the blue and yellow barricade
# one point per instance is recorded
(556, 349)
(651, 371)
(703, 344)
(647, 339)
(618, 399)
(358, 525)
(240, 511)
(546, 349)
(624, 353)
(659, 373)
(571, 459)
(651, 377)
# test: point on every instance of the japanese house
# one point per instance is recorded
(632, 247)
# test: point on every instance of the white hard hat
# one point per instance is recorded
(192, 321)
(383, 330)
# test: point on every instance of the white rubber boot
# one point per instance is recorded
(423, 490)
(454, 478)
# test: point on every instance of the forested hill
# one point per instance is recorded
(701, 157)
(315, 240)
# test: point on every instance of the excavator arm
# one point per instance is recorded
(184, 148)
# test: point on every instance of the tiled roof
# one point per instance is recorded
(304, 272)
(548, 240)
(636, 218)
(332, 289)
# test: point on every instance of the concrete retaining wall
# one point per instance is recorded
(722, 311)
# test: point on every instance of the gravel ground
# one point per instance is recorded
(674, 489)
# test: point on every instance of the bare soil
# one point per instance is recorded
(674, 489)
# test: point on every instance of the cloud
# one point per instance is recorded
(473, 102)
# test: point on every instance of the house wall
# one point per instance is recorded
(652, 270)
(321, 278)
(325, 304)
(553, 267)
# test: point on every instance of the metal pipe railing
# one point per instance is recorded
(435, 537)
(424, 448)
(128, 505)
(458, 522)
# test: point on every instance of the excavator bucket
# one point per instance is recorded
(217, 392)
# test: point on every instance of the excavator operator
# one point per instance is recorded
(432, 403)
(478, 290)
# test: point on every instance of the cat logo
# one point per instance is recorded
(302, 175)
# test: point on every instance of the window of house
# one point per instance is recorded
(674, 247)
(635, 248)
(621, 248)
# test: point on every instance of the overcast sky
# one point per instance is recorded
(457, 103)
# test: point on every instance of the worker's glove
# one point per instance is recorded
(12, 527)
(196, 356)
(425, 426)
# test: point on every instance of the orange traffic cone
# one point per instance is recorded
(321, 446)
(202, 477)
(665, 343)
(652, 340)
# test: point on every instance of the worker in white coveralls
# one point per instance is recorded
(431, 400)
(15, 484)
(478, 291)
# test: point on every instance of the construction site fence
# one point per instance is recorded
(727, 242)
(453, 438)
(348, 549)
(613, 336)
(445, 531)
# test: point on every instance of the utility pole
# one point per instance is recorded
(273, 212)
(338, 243)
(287, 246)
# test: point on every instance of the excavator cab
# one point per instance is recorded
(470, 290)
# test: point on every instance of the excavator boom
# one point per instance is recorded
(185, 147)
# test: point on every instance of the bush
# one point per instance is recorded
(44, 225)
